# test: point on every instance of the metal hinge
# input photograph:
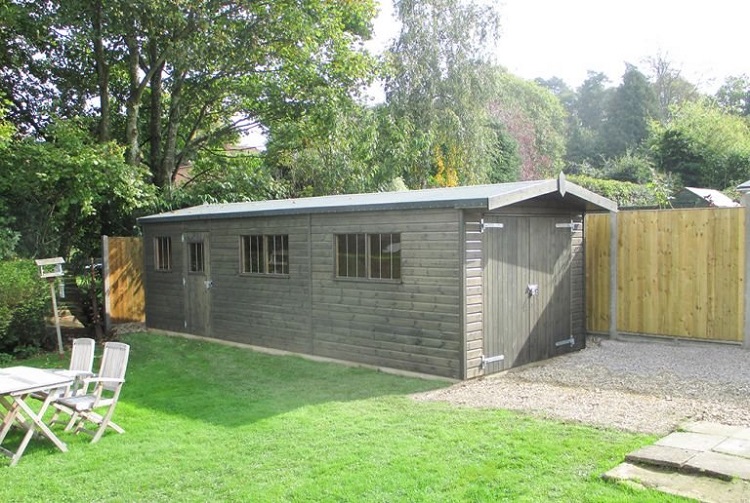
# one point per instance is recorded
(572, 225)
(571, 341)
(489, 225)
(491, 359)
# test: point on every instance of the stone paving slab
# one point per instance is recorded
(720, 465)
(745, 434)
(692, 441)
(722, 430)
(735, 447)
(680, 484)
(661, 455)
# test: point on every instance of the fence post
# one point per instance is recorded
(107, 284)
(746, 204)
(613, 275)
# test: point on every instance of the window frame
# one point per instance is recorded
(368, 264)
(193, 244)
(163, 253)
(266, 244)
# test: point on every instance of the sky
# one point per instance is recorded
(706, 41)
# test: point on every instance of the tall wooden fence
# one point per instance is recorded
(679, 273)
(124, 293)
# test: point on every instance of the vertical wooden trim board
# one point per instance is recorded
(746, 321)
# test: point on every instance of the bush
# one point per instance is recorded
(23, 305)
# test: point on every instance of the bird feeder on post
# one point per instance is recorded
(50, 269)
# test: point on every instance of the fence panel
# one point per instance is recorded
(124, 292)
(679, 273)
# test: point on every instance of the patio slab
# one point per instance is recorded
(661, 455)
(735, 447)
(707, 461)
(697, 487)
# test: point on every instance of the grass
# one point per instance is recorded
(208, 422)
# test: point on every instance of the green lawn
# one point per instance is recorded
(208, 422)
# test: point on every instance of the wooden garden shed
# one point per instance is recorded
(456, 282)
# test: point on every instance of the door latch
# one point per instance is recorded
(532, 290)
(209, 283)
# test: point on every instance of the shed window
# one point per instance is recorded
(261, 254)
(163, 253)
(373, 256)
(197, 261)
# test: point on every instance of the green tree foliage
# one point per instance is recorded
(437, 87)
(670, 87)
(173, 77)
(23, 305)
(734, 95)
(629, 112)
(587, 116)
(64, 193)
(223, 176)
(624, 193)
(332, 151)
(704, 145)
(534, 119)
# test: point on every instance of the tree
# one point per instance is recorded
(587, 117)
(169, 78)
(64, 193)
(437, 88)
(670, 87)
(704, 145)
(629, 112)
(535, 120)
(734, 95)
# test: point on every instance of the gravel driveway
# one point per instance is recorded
(637, 385)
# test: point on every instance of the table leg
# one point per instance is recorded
(35, 421)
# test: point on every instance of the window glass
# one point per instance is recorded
(163, 253)
(196, 262)
(375, 256)
(264, 254)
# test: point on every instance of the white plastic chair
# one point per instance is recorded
(105, 394)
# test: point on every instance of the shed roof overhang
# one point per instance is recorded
(487, 197)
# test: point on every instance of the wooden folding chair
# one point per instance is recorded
(81, 364)
(104, 395)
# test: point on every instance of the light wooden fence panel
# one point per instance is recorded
(125, 298)
(679, 273)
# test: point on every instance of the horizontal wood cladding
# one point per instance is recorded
(165, 300)
(261, 309)
(410, 324)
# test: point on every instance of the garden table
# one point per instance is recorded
(16, 384)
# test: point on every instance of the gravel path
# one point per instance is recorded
(643, 386)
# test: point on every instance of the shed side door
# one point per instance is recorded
(506, 304)
(197, 283)
(550, 270)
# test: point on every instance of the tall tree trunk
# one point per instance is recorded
(170, 166)
(102, 72)
(155, 138)
(133, 104)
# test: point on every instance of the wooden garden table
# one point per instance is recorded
(16, 384)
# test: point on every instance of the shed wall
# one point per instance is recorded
(165, 307)
(412, 324)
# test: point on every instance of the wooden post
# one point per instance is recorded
(57, 317)
(613, 275)
(746, 205)
(107, 284)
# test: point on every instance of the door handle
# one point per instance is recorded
(532, 290)
(209, 284)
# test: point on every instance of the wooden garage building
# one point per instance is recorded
(456, 282)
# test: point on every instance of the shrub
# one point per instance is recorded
(23, 305)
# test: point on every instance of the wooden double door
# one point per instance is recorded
(527, 289)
